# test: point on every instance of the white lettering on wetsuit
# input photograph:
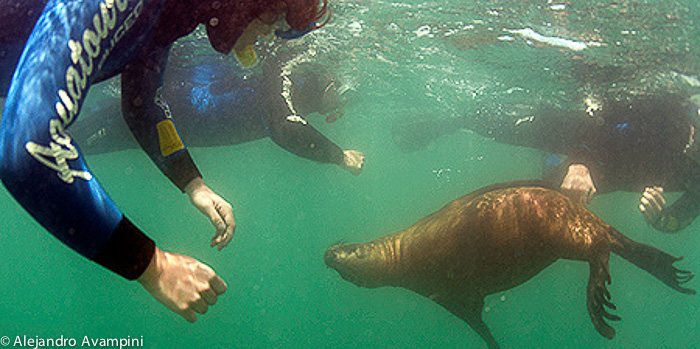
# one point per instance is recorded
(162, 103)
(83, 57)
(61, 150)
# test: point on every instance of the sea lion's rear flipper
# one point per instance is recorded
(656, 262)
(470, 311)
(598, 295)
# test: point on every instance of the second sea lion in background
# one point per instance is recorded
(494, 239)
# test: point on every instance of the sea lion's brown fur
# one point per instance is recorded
(494, 239)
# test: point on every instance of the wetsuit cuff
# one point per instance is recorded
(338, 155)
(127, 252)
(183, 170)
(666, 224)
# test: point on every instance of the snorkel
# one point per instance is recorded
(291, 34)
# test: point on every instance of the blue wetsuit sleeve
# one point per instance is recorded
(148, 117)
(40, 164)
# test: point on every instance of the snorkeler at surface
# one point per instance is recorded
(215, 104)
(75, 44)
(645, 144)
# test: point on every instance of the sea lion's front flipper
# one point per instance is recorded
(598, 295)
(470, 311)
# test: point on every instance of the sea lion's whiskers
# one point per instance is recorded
(340, 242)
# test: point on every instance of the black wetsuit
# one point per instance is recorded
(630, 145)
(627, 145)
(215, 103)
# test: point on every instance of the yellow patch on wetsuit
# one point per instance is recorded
(247, 56)
(170, 141)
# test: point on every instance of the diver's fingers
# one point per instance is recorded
(650, 211)
(653, 201)
(658, 193)
(353, 161)
(207, 204)
(648, 207)
(644, 211)
(218, 285)
(189, 315)
(220, 212)
(361, 160)
(210, 296)
(200, 306)
(225, 211)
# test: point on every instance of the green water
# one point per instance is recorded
(406, 61)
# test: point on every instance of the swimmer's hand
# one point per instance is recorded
(219, 211)
(578, 180)
(652, 203)
(182, 284)
(353, 161)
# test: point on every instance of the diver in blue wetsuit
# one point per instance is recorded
(75, 44)
(215, 104)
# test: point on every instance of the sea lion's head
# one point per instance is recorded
(362, 264)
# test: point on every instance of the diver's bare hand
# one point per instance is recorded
(219, 211)
(182, 284)
(578, 180)
(353, 161)
(652, 203)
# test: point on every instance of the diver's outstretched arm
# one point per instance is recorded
(148, 116)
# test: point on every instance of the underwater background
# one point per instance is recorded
(405, 62)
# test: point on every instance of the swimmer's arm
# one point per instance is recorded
(148, 117)
(286, 127)
(291, 131)
(41, 167)
(296, 135)
(40, 163)
(678, 215)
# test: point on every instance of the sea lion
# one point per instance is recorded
(494, 239)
